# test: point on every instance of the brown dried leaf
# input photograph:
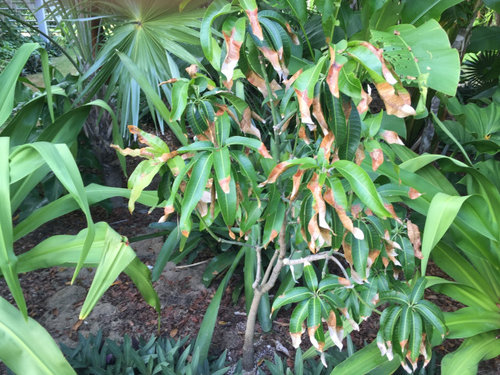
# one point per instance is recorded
(398, 104)
(377, 156)
(303, 135)
(360, 155)
(326, 144)
(274, 58)
(263, 151)
(414, 237)
(246, 124)
(304, 106)
(233, 55)
(318, 345)
(414, 194)
(319, 204)
(332, 79)
(347, 252)
(192, 70)
(254, 23)
(363, 105)
(297, 179)
(275, 173)
(391, 137)
(293, 36)
(318, 114)
(389, 77)
(289, 82)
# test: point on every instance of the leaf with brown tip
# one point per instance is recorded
(398, 104)
(377, 156)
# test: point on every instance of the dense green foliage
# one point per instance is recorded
(295, 120)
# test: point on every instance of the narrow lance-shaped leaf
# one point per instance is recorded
(233, 31)
(8, 260)
(304, 89)
(194, 190)
(362, 185)
(210, 47)
(250, 7)
(442, 212)
(179, 99)
(26, 347)
(297, 318)
(293, 295)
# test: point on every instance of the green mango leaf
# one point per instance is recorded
(299, 8)
(362, 185)
(415, 335)
(194, 190)
(179, 99)
(298, 316)
(26, 347)
(209, 45)
(293, 295)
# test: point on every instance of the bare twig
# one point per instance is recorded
(193, 264)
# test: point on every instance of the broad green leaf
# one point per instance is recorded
(299, 8)
(418, 290)
(362, 185)
(217, 265)
(179, 99)
(194, 189)
(432, 315)
(347, 150)
(471, 321)
(470, 353)
(107, 247)
(140, 178)
(293, 295)
(417, 12)
(415, 335)
(329, 282)
(314, 313)
(359, 251)
(9, 77)
(363, 361)
(95, 193)
(309, 78)
(467, 295)
(442, 212)
(395, 296)
(405, 325)
(26, 347)
(8, 259)
(310, 277)
(60, 160)
(424, 53)
(274, 222)
(209, 45)
(169, 246)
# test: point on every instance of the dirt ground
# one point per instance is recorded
(184, 299)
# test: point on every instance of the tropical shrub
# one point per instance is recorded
(25, 346)
(302, 192)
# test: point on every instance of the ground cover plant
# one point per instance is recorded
(291, 118)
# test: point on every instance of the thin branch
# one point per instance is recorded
(269, 269)
(193, 264)
(259, 268)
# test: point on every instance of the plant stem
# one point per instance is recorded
(272, 272)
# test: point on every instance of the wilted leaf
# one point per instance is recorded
(326, 144)
(398, 104)
(233, 46)
(391, 137)
(304, 106)
(297, 179)
(377, 156)
(366, 99)
(332, 79)
(192, 70)
(274, 58)
(318, 114)
(246, 124)
(254, 23)
(414, 237)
